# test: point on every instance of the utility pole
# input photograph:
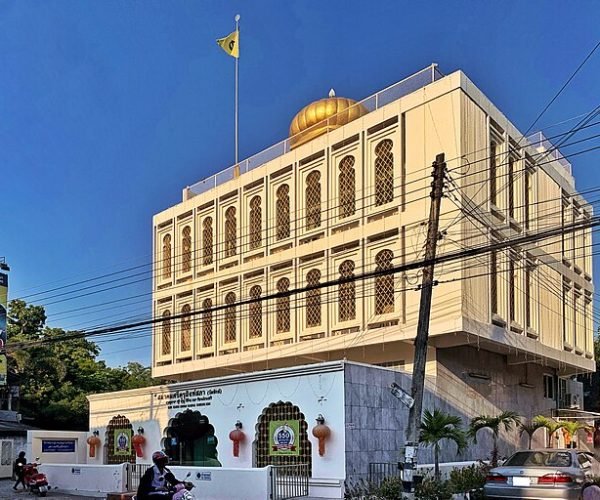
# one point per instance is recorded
(427, 284)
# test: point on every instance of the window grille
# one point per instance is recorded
(511, 187)
(313, 200)
(230, 232)
(207, 323)
(282, 208)
(494, 282)
(255, 313)
(347, 187)
(186, 249)
(384, 284)
(166, 257)
(493, 173)
(283, 306)
(207, 241)
(255, 223)
(346, 293)
(281, 412)
(166, 333)
(384, 172)
(313, 299)
(186, 328)
(230, 314)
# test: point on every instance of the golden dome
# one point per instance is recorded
(323, 116)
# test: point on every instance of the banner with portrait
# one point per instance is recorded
(122, 444)
(284, 437)
(3, 309)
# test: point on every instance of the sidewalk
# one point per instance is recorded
(7, 493)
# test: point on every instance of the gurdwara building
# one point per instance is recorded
(285, 287)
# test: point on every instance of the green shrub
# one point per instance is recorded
(430, 489)
(389, 489)
(467, 478)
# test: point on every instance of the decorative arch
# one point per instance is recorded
(166, 257)
(384, 172)
(255, 222)
(347, 187)
(282, 209)
(313, 200)
(286, 412)
(186, 253)
(189, 439)
(118, 425)
(230, 232)
(346, 292)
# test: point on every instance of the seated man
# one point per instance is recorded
(158, 482)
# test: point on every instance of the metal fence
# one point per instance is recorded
(379, 471)
(134, 475)
(404, 87)
(289, 481)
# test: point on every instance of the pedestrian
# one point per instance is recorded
(20, 470)
(591, 491)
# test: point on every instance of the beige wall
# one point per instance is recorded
(449, 116)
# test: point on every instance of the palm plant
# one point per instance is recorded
(529, 427)
(437, 426)
(506, 419)
(573, 428)
(550, 424)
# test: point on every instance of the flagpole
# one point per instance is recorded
(236, 104)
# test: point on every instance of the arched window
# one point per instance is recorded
(282, 310)
(166, 332)
(313, 299)
(255, 223)
(346, 293)
(186, 249)
(207, 323)
(384, 172)
(347, 187)
(230, 232)
(384, 284)
(282, 212)
(313, 200)
(186, 328)
(166, 257)
(230, 329)
(207, 241)
(255, 313)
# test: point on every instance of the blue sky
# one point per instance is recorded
(108, 108)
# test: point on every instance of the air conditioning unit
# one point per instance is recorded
(573, 400)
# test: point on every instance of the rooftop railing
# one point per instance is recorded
(539, 141)
(400, 89)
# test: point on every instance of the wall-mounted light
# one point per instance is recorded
(321, 432)
(479, 376)
(237, 436)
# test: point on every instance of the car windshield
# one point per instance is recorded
(539, 459)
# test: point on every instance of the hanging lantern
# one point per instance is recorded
(237, 436)
(93, 441)
(138, 442)
(321, 432)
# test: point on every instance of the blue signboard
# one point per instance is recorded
(58, 445)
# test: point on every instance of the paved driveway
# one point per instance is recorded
(7, 493)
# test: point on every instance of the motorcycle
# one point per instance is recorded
(36, 481)
(183, 491)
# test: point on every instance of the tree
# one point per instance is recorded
(56, 369)
(573, 428)
(506, 419)
(529, 427)
(438, 426)
(550, 424)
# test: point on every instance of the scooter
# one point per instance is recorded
(36, 481)
(183, 491)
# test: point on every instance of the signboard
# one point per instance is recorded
(122, 442)
(3, 310)
(3, 369)
(284, 437)
(58, 446)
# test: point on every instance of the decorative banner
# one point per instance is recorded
(58, 446)
(284, 437)
(3, 309)
(3, 369)
(122, 441)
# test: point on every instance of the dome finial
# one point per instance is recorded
(331, 93)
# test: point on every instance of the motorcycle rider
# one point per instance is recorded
(158, 481)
